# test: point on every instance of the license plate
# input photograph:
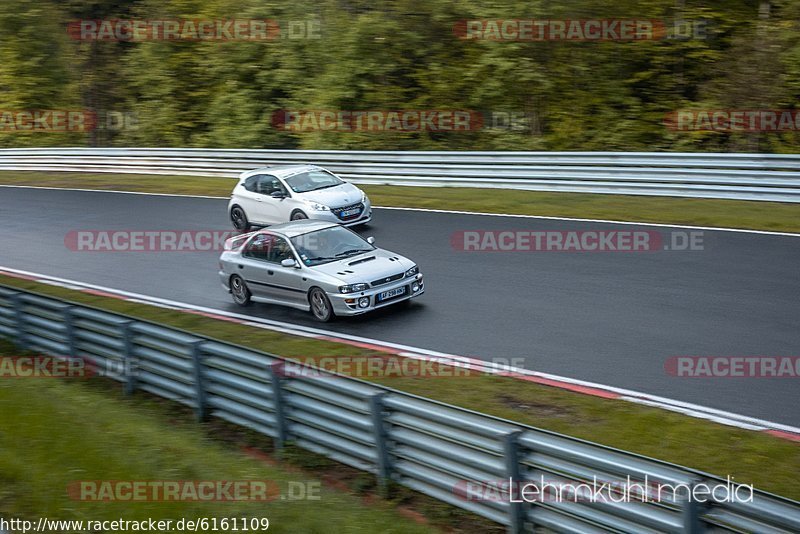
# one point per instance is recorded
(386, 295)
(348, 213)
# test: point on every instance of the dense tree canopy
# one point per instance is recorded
(404, 55)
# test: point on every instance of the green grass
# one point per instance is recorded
(146, 183)
(773, 216)
(768, 462)
(55, 432)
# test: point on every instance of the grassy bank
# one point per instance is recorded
(751, 457)
(57, 432)
(774, 216)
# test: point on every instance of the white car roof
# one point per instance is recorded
(281, 171)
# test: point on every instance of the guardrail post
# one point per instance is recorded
(196, 348)
(19, 321)
(69, 323)
(72, 342)
(511, 456)
(381, 452)
(278, 405)
(691, 511)
(129, 359)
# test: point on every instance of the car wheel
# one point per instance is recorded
(239, 219)
(299, 216)
(320, 305)
(241, 294)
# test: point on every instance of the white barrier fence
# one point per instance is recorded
(772, 177)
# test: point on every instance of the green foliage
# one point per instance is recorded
(405, 55)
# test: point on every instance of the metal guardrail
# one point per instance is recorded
(774, 177)
(425, 445)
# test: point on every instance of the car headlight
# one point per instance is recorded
(363, 197)
(412, 271)
(318, 207)
(353, 288)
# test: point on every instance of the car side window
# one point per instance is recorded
(258, 248)
(266, 247)
(269, 184)
(250, 183)
(281, 250)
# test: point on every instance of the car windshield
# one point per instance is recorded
(312, 180)
(329, 244)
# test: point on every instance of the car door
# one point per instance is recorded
(291, 284)
(253, 265)
(270, 209)
(284, 205)
(264, 274)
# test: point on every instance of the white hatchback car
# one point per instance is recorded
(273, 195)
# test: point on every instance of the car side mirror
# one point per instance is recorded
(371, 240)
(277, 194)
(288, 262)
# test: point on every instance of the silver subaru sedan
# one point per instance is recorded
(317, 266)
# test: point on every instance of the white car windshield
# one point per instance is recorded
(328, 245)
(312, 180)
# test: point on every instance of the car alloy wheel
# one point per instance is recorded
(239, 291)
(320, 305)
(239, 219)
(299, 216)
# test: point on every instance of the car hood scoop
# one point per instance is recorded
(361, 260)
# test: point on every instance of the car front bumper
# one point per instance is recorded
(348, 303)
(328, 216)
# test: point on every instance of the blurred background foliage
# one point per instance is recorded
(403, 54)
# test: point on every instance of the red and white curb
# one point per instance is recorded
(565, 383)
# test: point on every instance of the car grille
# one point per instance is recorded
(386, 280)
(338, 211)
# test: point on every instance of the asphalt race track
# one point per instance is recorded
(607, 317)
